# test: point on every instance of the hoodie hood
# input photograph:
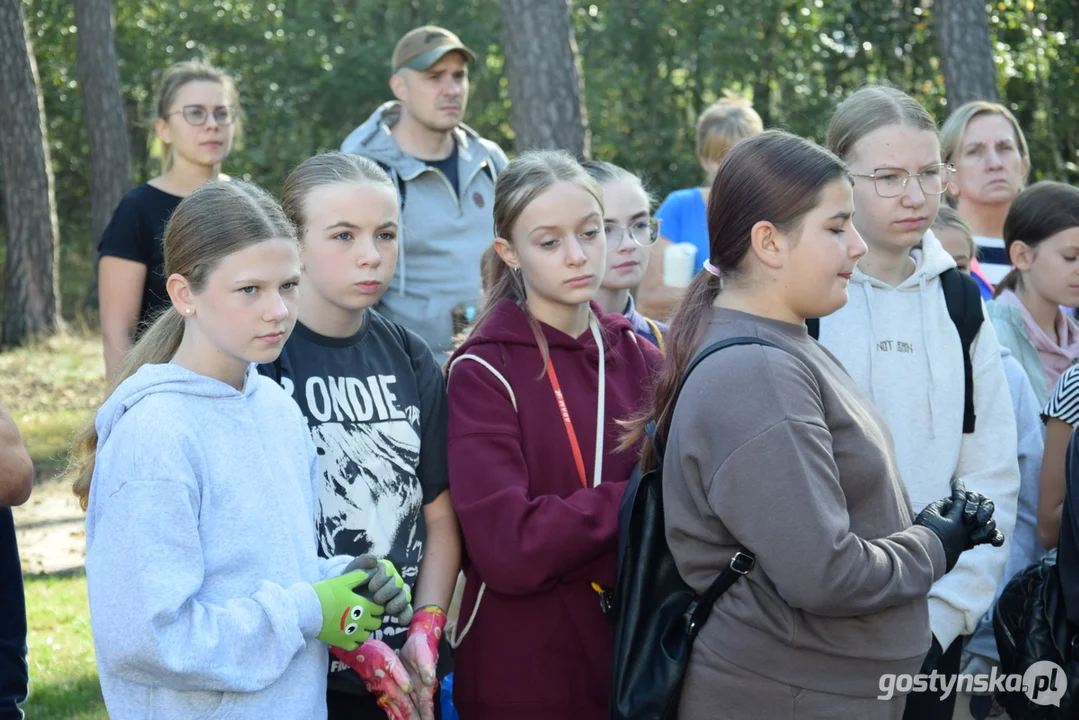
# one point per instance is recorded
(507, 324)
(160, 378)
(930, 260)
(374, 140)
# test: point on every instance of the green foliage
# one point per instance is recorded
(309, 71)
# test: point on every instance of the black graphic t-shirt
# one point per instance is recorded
(376, 407)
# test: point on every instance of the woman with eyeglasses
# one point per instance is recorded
(196, 107)
(631, 231)
(897, 339)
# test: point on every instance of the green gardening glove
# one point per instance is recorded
(386, 586)
(348, 618)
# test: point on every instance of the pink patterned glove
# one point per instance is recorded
(384, 677)
(420, 657)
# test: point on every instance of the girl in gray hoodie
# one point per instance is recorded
(207, 596)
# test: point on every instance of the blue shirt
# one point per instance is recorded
(685, 220)
(641, 324)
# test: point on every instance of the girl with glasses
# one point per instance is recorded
(195, 109)
(897, 339)
(631, 232)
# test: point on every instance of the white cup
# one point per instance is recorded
(679, 264)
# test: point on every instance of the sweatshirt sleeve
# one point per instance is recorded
(144, 575)
(779, 494)
(519, 543)
(988, 464)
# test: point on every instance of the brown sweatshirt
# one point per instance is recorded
(778, 450)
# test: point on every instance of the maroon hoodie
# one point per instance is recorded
(539, 646)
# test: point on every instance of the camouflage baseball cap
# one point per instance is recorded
(421, 48)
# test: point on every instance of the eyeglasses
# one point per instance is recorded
(197, 114)
(892, 182)
(644, 232)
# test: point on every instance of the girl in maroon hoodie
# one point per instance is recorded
(536, 477)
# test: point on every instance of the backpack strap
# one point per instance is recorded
(455, 636)
(964, 301)
(659, 335)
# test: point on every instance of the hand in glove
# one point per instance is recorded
(947, 519)
(387, 587)
(932, 658)
(384, 676)
(348, 618)
(979, 513)
(420, 657)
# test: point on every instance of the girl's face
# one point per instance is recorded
(205, 145)
(349, 244)
(989, 168)
(626, 216)
(1051, 270)
(894, 223)
(820, 260)
(247, 308)
(559, 246)
(956, 244)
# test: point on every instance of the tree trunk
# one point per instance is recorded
(545, 78)
(106, 126)
(966, 51)
(31, 288)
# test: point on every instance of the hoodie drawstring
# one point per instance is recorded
(922, 307)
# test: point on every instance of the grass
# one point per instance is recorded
(51, 388)
(63, 673)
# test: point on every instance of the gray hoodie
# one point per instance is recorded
(200, 551)
(443, 235)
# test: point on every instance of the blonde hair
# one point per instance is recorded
(951, 132)
(604, 172)
(216, 220)
(174, 78)
(871, 108)
(524, 179)
(723, 124)
(951, 219)
(330, 168)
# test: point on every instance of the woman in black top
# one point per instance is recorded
(195, 109)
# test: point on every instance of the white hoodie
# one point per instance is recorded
(901, 347)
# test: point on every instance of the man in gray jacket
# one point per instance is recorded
(445, 175)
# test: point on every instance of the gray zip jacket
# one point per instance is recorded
(443, 235)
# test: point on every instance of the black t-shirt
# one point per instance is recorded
(448, 168)
(137, 232)
(376, 407)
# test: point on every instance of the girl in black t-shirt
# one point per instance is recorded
(196, 107)
(374, 399)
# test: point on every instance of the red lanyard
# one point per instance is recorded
(576, 447)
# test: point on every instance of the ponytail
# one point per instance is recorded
(1008, 282)
(683, 337)
(157, 345)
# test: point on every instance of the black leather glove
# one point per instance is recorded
(958, 527)
(932, 658)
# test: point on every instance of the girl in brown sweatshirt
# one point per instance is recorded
(776, 449)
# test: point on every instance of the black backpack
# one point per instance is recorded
(656, 614)
(964, 301)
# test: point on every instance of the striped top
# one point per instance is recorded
(993, 258)
(1064, 405)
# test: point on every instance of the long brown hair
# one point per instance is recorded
(524, 179)
(216, 220)
(1037, 214)
(773, 176)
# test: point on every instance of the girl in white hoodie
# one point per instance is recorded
(898, 342)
